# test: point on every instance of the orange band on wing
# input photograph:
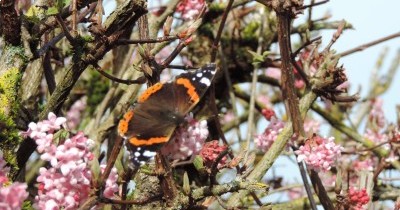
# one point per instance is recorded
(191, 90)
(124, 123)
(151, 141)
(147, 93)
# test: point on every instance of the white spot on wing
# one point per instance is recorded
(137, 154)
(199, 74)
(148, 153)
(205, 81)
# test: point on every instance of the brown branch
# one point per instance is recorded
(219, 33)
(69, 36)
(140, 80)
(304, 45)
(10, 23)
(288, 89)
(313, 4)
(48, 73)
(172, 56)
(370, 44)
(149, 40)
(185, 67)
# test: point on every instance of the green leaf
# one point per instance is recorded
(198, 163)
(52, 11)
(257, 58)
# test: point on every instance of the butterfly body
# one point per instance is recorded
(160, 109)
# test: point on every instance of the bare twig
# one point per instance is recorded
(74, 18)
(313, 4)
(48, 73)
(69, 36)
(140, 80)
(149, 40)
(253, 89)
(214, 166)
(185, 67)
(365, 46)
(219, 33)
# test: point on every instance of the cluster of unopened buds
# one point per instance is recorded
(358, 198)
(210, 152)
(67, 183)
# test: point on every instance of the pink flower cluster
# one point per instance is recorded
(358, 198)
(187, 141)
(211, 151)
(319, 153)
(12, 195)
(375, 136)
(68, 182)
(359, 165)
(75, 112)
(266, 139)
(190, 8)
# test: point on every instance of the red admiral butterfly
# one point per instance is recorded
(160, 109)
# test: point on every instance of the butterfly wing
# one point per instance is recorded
(189, 87)
(160, 109)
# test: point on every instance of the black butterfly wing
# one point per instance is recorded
(152, 120)
(190, 87)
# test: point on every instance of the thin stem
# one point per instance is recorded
(65, 29)
(231, 94)
(253, 88)
(140, 80)
(313, 4)
(219, 33)
(74, 18)
(149, 40)
(369, 44)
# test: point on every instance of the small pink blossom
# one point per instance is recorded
(111, 183)
(311, 126)
(190, 8)
(319, 153)
(187, 141)
(40, 129)
(265, 140)
(362, 165)
(211, 151)
(274, 73)
(13, 195)
(295, 193)
(264, 99)
(376, 137)
(299, 83)
(227, 117)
